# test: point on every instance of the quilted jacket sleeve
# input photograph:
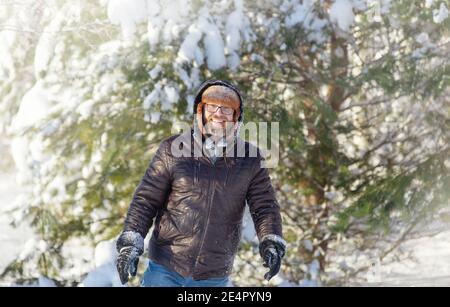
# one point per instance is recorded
(263, 205)
(151, 193)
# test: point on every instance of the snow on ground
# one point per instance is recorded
(427, 265)
(105, 273)
(12, 240)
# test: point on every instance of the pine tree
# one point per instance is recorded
(358, 87)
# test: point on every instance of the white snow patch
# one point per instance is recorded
(429, 3)
(233, 27)
(172, 94)
(341, 13)
(155, 71)
(45, 282)
(308, 245)
(154, 117)
(34, 107)
(441, 14)
(248, 228)
(105, 272)
(188, 49)
(152, 97)
(215, 56)
(301, 14)
(127, 14)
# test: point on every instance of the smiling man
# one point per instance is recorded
(197, 201)
(218, 117)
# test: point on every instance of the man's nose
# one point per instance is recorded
(219, 113)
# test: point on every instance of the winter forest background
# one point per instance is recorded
(88, 89)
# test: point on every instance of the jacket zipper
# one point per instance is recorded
(209, 213)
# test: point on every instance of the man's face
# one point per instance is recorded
(219, 119)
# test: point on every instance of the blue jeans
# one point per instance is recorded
(157, 275)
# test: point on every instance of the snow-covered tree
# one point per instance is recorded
(359, 87)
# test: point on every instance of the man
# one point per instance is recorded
(198, 200)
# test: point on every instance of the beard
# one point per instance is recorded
(218, 127)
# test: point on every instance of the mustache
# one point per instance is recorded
(218, 118)
(228, 124)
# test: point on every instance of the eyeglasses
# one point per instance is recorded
(213, 109)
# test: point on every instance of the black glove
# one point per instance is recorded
(130, 246)
(272, 249)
